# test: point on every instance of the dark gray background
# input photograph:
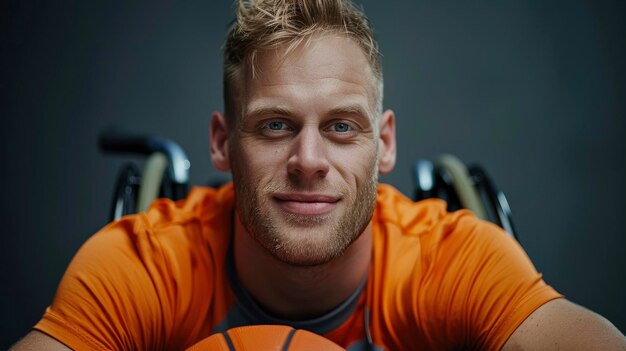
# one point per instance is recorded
(533, 90)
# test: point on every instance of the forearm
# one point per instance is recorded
(36, 340)
(560, 324)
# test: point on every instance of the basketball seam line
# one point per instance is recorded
(231, 347)
(288, 340)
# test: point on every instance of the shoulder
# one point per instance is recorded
(427, 220)
(170, 257)
(413, 218)
(440, 239)
(192, 224)
(172, 241)
(201, 204)
(465, 278)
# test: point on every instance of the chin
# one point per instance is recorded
(311, 246)
(303, 260)
(307, 222)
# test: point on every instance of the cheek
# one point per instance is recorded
(258, 161)
(357, 163)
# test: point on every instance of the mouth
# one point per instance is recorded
(306, 204)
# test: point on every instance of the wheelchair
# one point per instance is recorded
(166, 174)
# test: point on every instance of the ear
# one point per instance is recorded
(387, 142)
(218, 139)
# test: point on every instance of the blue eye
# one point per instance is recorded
(341, 127)
(275, 125)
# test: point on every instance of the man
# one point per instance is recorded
(305, 236)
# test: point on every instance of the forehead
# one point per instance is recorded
(326, 71)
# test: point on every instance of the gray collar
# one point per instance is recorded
(248, 312)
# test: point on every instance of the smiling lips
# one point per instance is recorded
(306, 204)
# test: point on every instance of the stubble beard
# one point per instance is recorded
(296, 243)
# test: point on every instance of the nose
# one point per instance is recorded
(308, 157)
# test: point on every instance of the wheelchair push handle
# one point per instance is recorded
(117, 142)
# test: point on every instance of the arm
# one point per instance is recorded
(562, 325)
(36, 340)
(94, 308)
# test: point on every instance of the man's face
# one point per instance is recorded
(304, 155)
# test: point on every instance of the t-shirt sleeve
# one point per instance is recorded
(106, 299)
(484, 285)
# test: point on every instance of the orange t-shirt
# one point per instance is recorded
(160, 280)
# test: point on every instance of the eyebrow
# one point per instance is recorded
(277, 110)
(349, 110)
(271, 110)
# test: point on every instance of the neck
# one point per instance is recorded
(296, 292)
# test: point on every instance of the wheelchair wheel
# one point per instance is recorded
(126, 190)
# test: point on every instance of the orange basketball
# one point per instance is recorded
(265, 337)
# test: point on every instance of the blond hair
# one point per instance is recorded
(269, 24)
